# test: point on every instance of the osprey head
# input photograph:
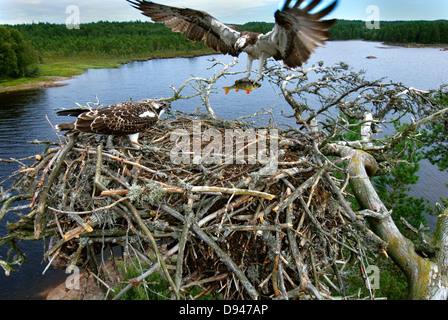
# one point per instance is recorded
(161, 106)
(245, 40)
(240, 44)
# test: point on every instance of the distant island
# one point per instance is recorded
(41, 52)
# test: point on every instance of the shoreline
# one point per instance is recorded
(48, 81)
(442, 46)
(87, 289)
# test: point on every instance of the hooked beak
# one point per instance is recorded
(240, 44)
(237, 49)
(166, 105)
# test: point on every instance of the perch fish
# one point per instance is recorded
(246, 85)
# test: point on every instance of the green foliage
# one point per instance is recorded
(394, 188)
(114, 39)
(403, 32)
(155, 287)
(435, 137)
(393, 284)
(152, 288)
(260, 27)
(18, 58)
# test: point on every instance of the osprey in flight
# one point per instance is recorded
(124, 118)
(296, 33)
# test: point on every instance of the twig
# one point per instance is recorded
(204, 189)
(224, 257)
(189, 215)
(8, 202)
(110, 206)
(139, 220)
(46, 188)
(300, 265)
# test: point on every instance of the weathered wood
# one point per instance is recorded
(427, 279)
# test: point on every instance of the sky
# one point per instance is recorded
(228, 11)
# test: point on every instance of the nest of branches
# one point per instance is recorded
(238, 210)
(225, 226)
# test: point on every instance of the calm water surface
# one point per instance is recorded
(23, 115)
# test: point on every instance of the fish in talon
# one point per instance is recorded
(246, 85)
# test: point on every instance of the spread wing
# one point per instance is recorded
(297, 32)
(196, 25)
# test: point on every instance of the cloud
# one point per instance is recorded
(27, 11)
(228, 11)
(221, 7)
(235, 11)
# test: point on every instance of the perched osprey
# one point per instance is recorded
(124, 118)
(296, 33)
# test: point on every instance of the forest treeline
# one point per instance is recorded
(116, 39)
(398, 32)
(128, 38)
(18, 58)
(30, 42)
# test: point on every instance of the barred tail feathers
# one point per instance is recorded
(71, 112)
(66, 126)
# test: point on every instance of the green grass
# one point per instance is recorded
(16, 82)
(72, 66)
(155, 287)
(69, 67)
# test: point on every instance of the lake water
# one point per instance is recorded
(23, 115)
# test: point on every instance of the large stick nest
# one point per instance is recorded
(258, 236)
